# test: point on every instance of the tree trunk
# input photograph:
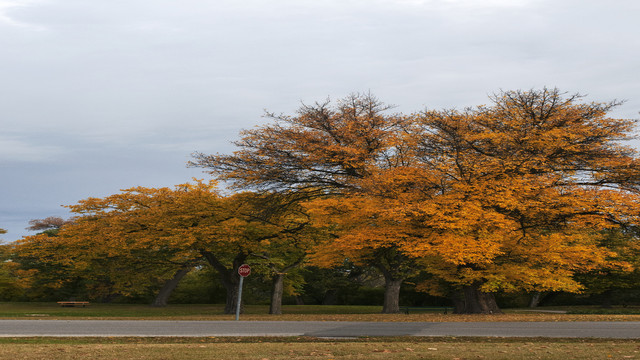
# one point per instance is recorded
(391, 303)
(231, 302)
(162, 299)
(389, 262)
(277, 287)
(474, 301)
(276, 294)
(536, 298)
(229, 278)
(458, 302)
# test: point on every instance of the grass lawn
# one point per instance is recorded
(310, 348)
(11, 310)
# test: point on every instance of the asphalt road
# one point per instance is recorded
(15, 328)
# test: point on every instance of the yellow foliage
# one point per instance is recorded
(512, 196)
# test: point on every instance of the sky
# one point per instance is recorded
(99, 96)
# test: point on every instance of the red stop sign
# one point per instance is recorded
(244, 270)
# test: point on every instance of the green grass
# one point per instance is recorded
(13, 310)
(22, 310)
(10, 309)
(626, 310)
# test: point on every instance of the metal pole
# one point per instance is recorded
(239, 298)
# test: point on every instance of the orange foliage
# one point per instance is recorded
(513, 195)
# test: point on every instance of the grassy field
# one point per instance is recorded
(303, 347)
(310, 348)
(10, 310)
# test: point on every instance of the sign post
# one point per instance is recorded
(244, 270)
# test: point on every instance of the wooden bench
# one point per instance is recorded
(73, 303)
(407, 309)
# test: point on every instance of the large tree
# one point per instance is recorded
(508, 196)
(176, 228)
(326, 150)
(366, 234)
(128, 243)
(526, 185)
(265, 230)
(143, 238)
(286, 249)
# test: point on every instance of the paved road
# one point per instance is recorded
(11, 328)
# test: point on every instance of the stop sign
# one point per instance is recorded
(244, 270)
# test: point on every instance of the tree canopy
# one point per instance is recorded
(324, 148)
(509, 196)
(140, 238)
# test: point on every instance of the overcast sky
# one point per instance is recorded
(98, 96)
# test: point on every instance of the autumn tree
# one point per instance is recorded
(173, 228)
(324, 151)
(11, 288)
(125, 259)
(40, 274)
(288, 247)
(44, 267)
(367, 235)
(83, 261)
(505, 197)
(321, 150)
(40, 269)
(525, 187)
(608, 284)
(142, 236)
(250, 232)
(268, 231)
(117, 245)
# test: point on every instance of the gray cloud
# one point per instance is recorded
(99, 96)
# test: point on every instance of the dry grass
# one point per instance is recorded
(403, 348)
